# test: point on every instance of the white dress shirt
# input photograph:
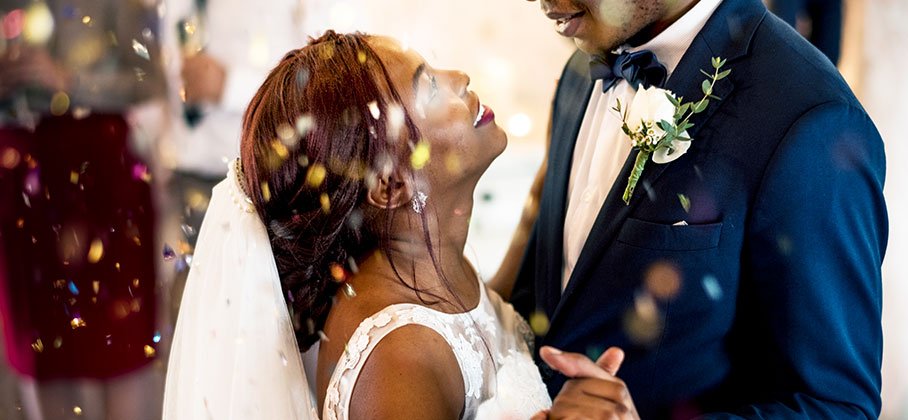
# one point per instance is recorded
(602, 147)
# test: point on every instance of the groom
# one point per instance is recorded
(742, 278)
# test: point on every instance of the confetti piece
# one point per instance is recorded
(140, 172)
(316, 175)
(304, 124)
(280, 149)
(140, 49)
(663, 280)
(188, 231)
(39, 24)
(712, 288)
(58, 342)
(96, 286)
(168, 253)
(539, 323)
(86, 19)
(59, 103)
(95, 251)
(685, 202)
(73, 289)
(325, 202)
(266, 192)
(12, 23)
(420, 155)
(73, 177)
(10, 158)
(77, 410)
(373, 109)
(149, 351)
(361, 57)
(76, 323)
(337, 272)
(157, 337)
(38, 346)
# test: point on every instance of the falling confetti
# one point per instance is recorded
(140, 172)
(38, 346)
(95, 251)
(76, 323)
(539, 323)
(663, 280)
(96, 286)
(188, 231)
(643, 323)
(337, 272)
(157, 337)
(685, 202)
(420, 155)
(266, 191)
(373, 109)
(10, 158)
(73, 289)
(77, 410)
(140, 49)
(316, 174)
(39, 24)
(361, 57)
(149, 351)
(712, 288)
(520, 125)
(12, 23)
(59, 103)
(169, 253)
(280, 149)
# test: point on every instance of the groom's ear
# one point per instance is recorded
(390, 190)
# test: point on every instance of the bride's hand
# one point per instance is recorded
(593, 391)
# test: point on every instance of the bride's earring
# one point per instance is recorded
(419, 202)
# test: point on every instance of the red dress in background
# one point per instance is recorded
(77, 287)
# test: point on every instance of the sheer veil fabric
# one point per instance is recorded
(234, 352)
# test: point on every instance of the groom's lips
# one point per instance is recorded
(566, 23)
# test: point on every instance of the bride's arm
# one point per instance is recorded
(411, 374)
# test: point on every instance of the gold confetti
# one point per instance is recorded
(38, 25)
(77, 323)
(539, 323)
(361, 56)
(59, 103)
(20, 223)
(38, 346)
(266, 192)
(96, 286)
(316, 175)
(326, 202)
(77, 410)
(117, 266)
(280, 149)
(58, 342)
(73, 177)
(96, 251)
(135, 282)
(86, 19)
(420, 155)
(149, 351)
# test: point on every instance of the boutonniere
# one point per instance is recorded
(656, 122)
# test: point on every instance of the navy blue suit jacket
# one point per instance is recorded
(779, 306)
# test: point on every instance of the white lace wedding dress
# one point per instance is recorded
(491, 343)
(234, 353)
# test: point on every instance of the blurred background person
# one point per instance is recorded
(77, 290)
(217, 53)
(820, 21)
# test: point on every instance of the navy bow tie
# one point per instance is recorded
(640, 67)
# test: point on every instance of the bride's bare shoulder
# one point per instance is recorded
(411, 373)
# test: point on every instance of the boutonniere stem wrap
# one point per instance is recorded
(656, 122)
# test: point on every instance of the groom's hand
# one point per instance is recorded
(593, 392)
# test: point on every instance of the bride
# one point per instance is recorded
(344, 223)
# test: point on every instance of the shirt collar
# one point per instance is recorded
(671, 44)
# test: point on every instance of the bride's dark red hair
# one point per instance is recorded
(316, 223)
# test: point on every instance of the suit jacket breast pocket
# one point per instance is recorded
(657, 236)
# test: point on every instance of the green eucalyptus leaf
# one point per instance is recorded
(706, 74)
(723, 74)
(716, 61)
(707, 87)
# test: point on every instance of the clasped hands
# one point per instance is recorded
(593, 392)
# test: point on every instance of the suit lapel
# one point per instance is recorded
(727, 34)
(570, 105)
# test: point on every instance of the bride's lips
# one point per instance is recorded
(484, 116)
(567, 24)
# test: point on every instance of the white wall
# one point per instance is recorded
(885, 95)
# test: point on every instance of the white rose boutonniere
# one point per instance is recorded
(656, 122)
